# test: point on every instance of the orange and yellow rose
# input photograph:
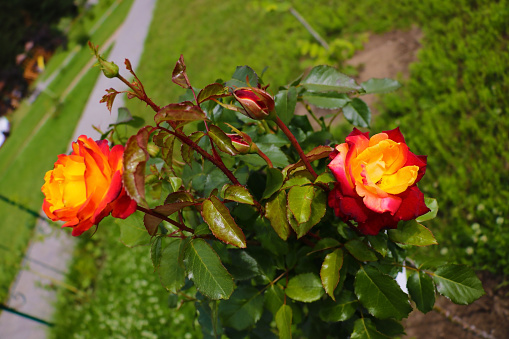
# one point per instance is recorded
(376, 181)
(86, 186)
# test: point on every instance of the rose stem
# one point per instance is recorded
(296, 145)
(160, 216)
(204, 153)
(265, 157)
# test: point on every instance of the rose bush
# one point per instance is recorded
(249, 241)
(376, 181)
(86, 186)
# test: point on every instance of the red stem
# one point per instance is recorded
(160, 216)
(206, 155)
(296, 145)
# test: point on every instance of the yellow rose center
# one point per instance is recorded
(380, 166)
(67, 186)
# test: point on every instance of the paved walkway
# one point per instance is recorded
(46, 261)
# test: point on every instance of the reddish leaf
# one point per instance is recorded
(134, 160)
(181, 112)
(109, 98)
(179, 75)
(187, 151)
(316, 153)
(213, 91)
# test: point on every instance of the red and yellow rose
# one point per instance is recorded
(86, 186)
(376, 181)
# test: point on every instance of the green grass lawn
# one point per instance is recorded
(40, 132)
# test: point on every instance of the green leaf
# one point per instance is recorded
(286, 101)
(306, 287)
(329, 273)
(238, 194)
(325, 178)
(178, 75)
(180, 112)
(379, 243)
(357, 113)
(412, 233)
(213, 91)
(363, 328)
(284, 322)
(221, 140)
(243, 309)
(175, 183)
(360, 250)
(384, 85)
(239, 77)
(134, 161)
(155, 252)
(389, 327)
(296, 181)
(318, 209)
(326, 243)
(380, 294)
(274, 298)
(299, 202)
(208, 319)
(326, 79)
(206, 270)
(340, 310)
(329, 100)
(274, 182)
(243, 265)
(124, 116)
(132, 232)
(275, 211)
(221, 223)
(171, 269)
(422, 291)
(432, 204)
(458, 283)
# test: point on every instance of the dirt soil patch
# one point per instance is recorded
(488, 317)
(386, 56)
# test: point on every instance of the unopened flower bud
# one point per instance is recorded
(242, 145)
(257, 104)
(109, 68)
(152, 149)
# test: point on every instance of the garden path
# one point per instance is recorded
(46, 260)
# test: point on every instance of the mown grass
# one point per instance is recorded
(119, 294)
(40, 132)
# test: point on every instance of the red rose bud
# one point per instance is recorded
(242, 145)
(256, 103)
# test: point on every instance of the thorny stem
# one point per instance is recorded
(206, 155)
(160, 216)
(296, 145)
(140, 94)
